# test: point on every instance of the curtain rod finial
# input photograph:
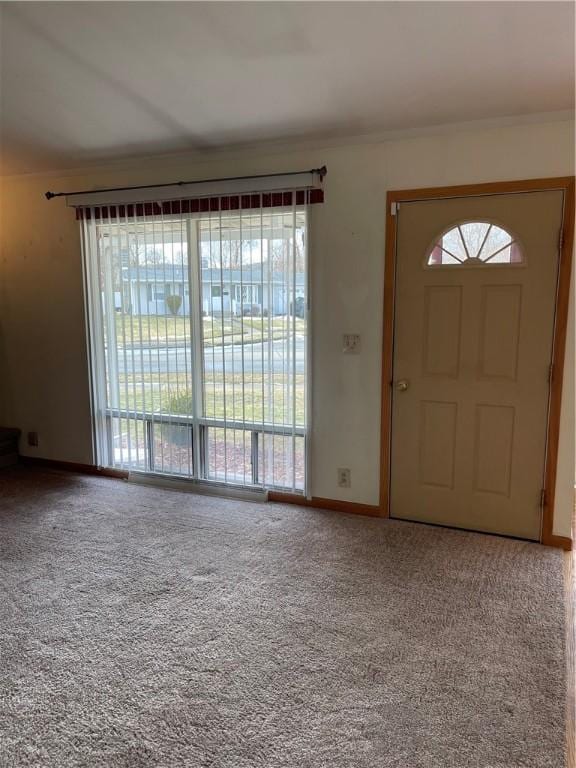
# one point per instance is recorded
(322, 171)
(49, 195)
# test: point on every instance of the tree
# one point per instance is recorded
(228, 254)
(281, 253)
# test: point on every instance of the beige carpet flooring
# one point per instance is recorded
(142, 627)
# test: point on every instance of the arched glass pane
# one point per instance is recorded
(475, 242)
(474, 233)
(453, 244)
(497, 239)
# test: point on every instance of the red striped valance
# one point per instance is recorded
(203, 205)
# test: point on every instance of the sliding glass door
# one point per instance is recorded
(198, 334)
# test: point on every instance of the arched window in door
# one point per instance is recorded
(475, 243)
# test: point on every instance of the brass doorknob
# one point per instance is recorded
(402, 385)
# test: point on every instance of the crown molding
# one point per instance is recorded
(296, 144)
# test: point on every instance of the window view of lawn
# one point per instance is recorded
(166, 330)
(239, 385)
(235, 398)
(221, 361)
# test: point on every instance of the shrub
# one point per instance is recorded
(181, 403)
(174, 302)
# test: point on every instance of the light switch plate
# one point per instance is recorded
(351, 343)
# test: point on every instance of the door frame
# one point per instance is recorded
(395, 197)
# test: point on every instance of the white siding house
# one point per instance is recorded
(251, 290)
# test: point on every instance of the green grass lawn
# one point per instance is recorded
(171, 393)
(160, 329)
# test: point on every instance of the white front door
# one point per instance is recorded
(474, 317)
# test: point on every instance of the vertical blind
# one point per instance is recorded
(198, 331)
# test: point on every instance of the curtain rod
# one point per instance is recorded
(320, 171)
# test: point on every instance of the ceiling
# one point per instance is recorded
(88, 82)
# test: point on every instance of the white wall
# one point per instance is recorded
(42, 349)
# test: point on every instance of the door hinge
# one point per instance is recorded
(561, 239)
(543, 498)
(550, 373)
(394, 208)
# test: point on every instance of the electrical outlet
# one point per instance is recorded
(33, 439)
(344, 477)
(351, 343)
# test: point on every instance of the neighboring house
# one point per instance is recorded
(251, 290)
